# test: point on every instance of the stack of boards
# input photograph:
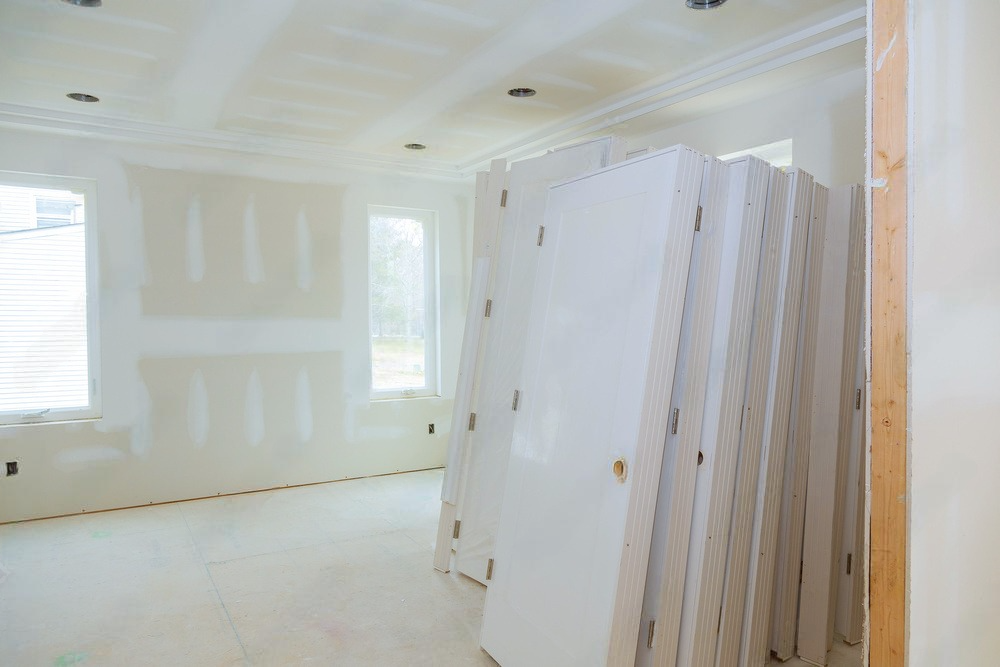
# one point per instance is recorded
(655, 455)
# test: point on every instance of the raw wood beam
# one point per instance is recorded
(889, 399)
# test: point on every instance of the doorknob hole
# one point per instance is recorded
(620, 469)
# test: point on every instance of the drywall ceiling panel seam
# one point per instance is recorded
(463, 399)
(791, 526)
(817, 551)
(728, 367)
(730, 618)
(760, 586)
(525, 40)
(664, 587)
(516, 260)
(588, 441)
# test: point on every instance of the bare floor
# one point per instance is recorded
(332, 574)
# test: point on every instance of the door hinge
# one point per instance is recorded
(457, 530)
(503, 199)
(489, 307)
(489, 569)
(857, 401)
(697, 221)
(850, 558)
(541, 234)
(649, 638)
(677, 416)
(472, 421)
(517, 399)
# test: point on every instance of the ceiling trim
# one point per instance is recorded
(805, 43)
(239, 142)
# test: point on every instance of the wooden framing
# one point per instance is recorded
(888, 67)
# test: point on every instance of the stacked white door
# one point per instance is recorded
(834, 408)
(720, 437)
(728, 630)
(754, 650)
(788, 567)
(492, 428)
(475, 466)
(728, 233)
(584, 467)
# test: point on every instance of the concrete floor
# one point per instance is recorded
(333, 574)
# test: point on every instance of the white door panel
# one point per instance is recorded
(573, 538)
(503, 353)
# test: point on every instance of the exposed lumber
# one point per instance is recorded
(889, 398)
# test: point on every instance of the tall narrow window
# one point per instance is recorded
(402, 261)
(48, 350)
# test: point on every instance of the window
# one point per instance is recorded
(402, 265)
(48, 314)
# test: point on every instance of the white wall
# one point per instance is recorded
(825, 120)
(955, 335)
(164, 336)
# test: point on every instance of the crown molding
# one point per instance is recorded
(238, 142)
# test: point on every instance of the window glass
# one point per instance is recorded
(403, 302)
(46, 366)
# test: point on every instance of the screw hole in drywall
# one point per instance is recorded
(11, 468)
(701, 458)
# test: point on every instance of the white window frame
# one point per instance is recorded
(88, 188)
(432, 324)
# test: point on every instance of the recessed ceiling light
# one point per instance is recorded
(521, 92)
(84, 3)
(83, 97)
(414, 147)
(704, 4)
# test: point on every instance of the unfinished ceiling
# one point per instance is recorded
(354, 81)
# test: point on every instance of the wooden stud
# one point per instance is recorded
(889, 398)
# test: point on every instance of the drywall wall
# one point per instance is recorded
(955, 327)
(825, 120)
(234, 329)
